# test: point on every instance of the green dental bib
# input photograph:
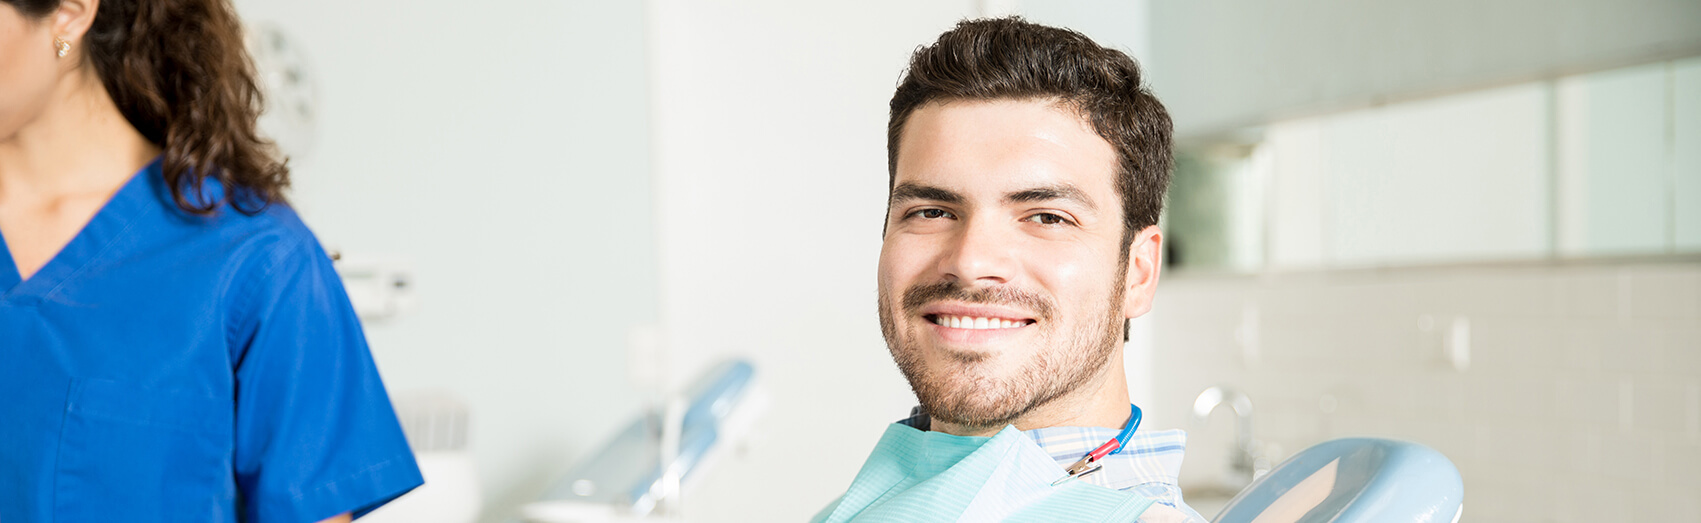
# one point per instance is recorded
(921, 476)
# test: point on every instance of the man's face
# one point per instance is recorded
(1001, 276)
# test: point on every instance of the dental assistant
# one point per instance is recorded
(174, 344)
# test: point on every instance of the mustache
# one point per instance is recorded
(919, 296)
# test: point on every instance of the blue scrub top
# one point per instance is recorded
(172, 367)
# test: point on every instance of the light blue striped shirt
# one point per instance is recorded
(1148, 465)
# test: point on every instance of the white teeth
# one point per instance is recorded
(969, 322)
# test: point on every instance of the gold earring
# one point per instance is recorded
(63, 46)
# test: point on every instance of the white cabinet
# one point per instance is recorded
(1614, 162)
(1597, 165)
(1686, 158)
(1455, 178)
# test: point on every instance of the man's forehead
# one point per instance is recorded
(1043, 117)
(1014, 150)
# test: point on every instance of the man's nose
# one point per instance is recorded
(982, 252)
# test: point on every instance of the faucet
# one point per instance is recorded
(1250, 460)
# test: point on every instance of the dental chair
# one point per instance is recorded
(1354, 480)
(641, 470)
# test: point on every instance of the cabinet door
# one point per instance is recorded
(1614, 163)
(1686, 157)
(1459, 178)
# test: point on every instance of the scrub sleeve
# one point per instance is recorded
(315, 432)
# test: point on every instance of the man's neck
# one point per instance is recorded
(1100, 402)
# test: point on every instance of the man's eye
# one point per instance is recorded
(931, 214)
(1046, 218)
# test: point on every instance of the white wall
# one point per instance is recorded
(501, 146)
(1117, 24)
(1581, 402)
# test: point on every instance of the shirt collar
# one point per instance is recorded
(1149, 456)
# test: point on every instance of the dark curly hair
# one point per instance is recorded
(178, 71)
(1011, 58)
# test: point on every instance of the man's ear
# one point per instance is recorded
(1145, 260)
(73, 18)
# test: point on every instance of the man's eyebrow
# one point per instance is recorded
(1051, 192)
(908, 191)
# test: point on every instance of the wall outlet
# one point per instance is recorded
(1449, 342)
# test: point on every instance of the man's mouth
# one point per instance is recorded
(976, 322)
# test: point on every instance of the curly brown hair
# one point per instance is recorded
(178, 71)
(1011, 58)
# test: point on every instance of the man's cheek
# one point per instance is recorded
(1060, 267)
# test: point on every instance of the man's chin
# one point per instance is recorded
(968, 401)
(987, 415)
(959, 361)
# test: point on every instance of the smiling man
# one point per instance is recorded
(1028, 166)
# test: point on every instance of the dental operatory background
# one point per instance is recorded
(1475, 225)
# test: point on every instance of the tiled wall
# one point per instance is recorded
(1581, 400)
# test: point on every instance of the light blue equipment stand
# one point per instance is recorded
(1354, 480)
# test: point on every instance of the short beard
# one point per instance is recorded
(976, 400)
